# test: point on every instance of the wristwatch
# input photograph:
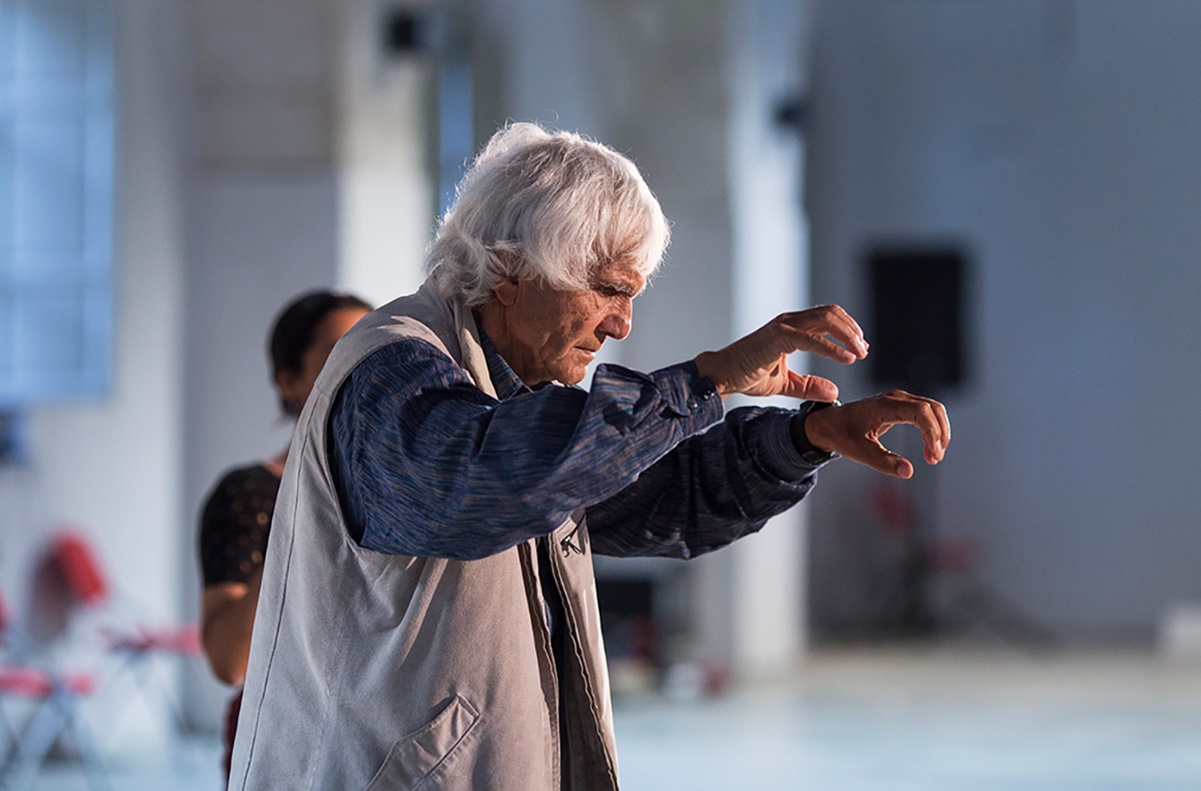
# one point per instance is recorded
(809, 454)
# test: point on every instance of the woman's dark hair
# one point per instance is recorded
(296, 325)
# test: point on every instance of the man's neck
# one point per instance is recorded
(491, 320)
(504, 378)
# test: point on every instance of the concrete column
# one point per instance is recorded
(386, 126)
(764, 579)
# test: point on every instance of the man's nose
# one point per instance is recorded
(617, 324)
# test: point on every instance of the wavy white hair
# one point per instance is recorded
(551, 206)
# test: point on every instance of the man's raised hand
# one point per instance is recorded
(854, 430)
(757, 365)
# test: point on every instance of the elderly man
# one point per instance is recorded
(428, 615)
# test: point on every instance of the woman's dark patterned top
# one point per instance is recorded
(235, 523)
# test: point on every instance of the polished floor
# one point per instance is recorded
(871, 719)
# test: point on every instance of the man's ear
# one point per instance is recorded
(504, 261)
(506, 292)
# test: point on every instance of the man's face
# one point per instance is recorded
(553, 335)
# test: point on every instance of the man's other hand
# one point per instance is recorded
(757, 365)
(854, 429)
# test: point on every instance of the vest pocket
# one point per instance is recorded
(417, 755)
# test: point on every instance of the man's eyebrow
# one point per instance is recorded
(625, 285)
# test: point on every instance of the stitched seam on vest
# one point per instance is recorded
(318, 442)
(585, 672)
(258, 711)
(527, 553)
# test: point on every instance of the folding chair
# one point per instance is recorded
(56, 699)
(137, 646)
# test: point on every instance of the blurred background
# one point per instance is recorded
(1005, 194)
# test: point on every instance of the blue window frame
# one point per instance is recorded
(56, 200)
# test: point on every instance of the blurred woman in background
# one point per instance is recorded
(236, 518)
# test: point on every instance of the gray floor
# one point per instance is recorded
(867, 719)
(857, 721)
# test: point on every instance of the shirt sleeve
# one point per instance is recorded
(428, 465)
(709, 491)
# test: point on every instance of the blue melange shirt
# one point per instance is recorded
(428, 465)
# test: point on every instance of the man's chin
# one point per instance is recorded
(571, 376)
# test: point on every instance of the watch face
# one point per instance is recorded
(811, 455)
(817, 457)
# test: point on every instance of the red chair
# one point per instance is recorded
(79, 569)
(137, 645)
(55, 698)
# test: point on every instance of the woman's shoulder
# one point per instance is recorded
(250, 472)
(240, 483)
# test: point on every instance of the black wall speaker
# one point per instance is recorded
(918, 315)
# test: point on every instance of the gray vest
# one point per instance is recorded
(393, 672)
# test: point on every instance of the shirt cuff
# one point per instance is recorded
(683, 392)
(785, 453)
(688, 394)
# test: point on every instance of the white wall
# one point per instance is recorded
(1057, 140)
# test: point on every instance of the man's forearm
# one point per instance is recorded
(711, 490)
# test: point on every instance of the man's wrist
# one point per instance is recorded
(705, 370)
(810, 453)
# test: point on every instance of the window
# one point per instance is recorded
(56, 187)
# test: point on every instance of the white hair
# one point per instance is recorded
(550, 206)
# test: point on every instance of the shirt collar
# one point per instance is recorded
(506, 382)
